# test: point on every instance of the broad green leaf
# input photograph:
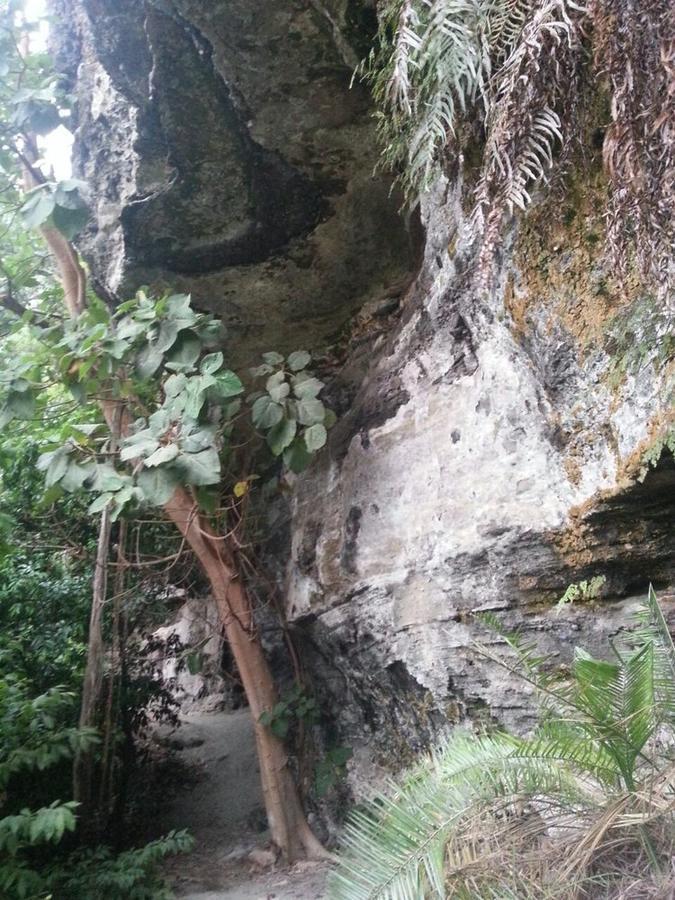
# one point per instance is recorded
(277, 387)
(297, 457)
(97, 333)
(139, 449)
(272, 358)
(158, 422)
(116, 348)
(178, 306)
(174, 384)
(70, 193)
(168, 332)
(200, 468)
(306, 388)
(158, 485)
(195, 394)
(184, 353)
(310, 411)
(19, 405)
(76, 474)
(211, 363)
(228, 384)
(69, 222)
(298, 360)
(57, 467)
(107, 479)
(139, 442)
(266, 413)
(281, 436)
(44, 460)
(163, 455)
(148, 361)
(197, 440)
(259, 371)
(123, 498)
(315, 437)
(100, 503)
(128, 329)
(38, 207)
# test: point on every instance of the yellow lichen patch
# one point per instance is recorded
(559, 259)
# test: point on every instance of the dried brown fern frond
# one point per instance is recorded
(634, 49)
(536, 83)
(517, 71)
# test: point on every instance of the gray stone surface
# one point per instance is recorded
(229, 156)
(488, 461)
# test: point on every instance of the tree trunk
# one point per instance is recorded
(287, 822)
(289, 828)
(93, 673)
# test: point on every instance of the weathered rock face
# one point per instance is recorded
(197, 629)
(491, 458)
(490, 445)
(228, 156)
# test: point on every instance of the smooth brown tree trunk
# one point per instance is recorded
(288, 826)
(287, 821)
(93, 673)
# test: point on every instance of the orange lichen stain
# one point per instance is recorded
(572, 467)
(634, 467)
(576, 543)
(559, 259)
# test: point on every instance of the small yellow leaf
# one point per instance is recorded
(240, 488)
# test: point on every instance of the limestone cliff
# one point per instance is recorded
(491, 449)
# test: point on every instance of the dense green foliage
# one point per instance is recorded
(34, 739)
(555, 814)
(157, 366)
(46, 558)
(37, 740)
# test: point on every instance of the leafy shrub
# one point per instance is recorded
(131, 875)
(557, 814)
(34, 739)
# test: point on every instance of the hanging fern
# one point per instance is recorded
(515, 72)
(500, 816)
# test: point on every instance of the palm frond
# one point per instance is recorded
(473, 819)
(653, 628)
(402, 846)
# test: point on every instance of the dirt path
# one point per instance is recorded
(223, 810)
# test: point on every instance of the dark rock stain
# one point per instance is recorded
(349, 545)
(230, 201)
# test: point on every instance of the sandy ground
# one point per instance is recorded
(223, 810)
